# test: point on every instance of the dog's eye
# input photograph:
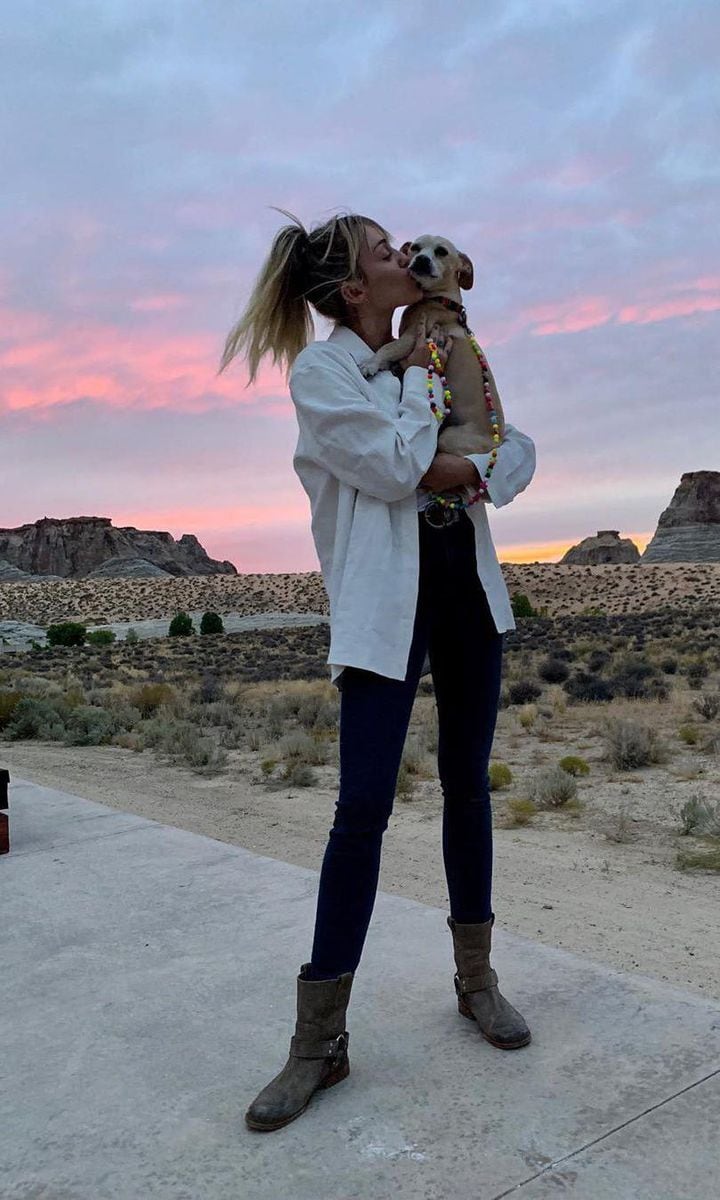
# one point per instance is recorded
(414, 247)
(441, 251)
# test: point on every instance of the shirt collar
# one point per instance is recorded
(344, 336)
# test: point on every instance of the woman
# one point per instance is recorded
(404, 593)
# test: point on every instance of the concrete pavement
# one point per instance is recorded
(147, 993)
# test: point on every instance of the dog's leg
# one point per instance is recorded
(389, 354)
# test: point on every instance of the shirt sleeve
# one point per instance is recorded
(514, 466)
(362, 446)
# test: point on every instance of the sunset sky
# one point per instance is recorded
(570, 148)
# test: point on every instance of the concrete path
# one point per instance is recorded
(147, 993)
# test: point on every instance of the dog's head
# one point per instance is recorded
(435, 263)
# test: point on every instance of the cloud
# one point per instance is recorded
(571, 150)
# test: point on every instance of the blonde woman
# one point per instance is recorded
(407, 596)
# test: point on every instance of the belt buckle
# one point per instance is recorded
(439, 516)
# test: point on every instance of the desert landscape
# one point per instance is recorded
(605, 770)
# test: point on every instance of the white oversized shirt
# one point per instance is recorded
(363, 446)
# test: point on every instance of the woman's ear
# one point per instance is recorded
(352, 291)
(466, 273)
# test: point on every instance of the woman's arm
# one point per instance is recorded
(448, 472)
(514, 466)
(350, 437)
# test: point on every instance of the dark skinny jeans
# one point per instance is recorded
(454, 625)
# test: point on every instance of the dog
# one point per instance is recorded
(442, 270)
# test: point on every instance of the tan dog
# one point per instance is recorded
(442, 270)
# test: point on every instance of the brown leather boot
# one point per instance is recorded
(318, 1052)
(477, 990)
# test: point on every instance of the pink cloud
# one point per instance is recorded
(267, 513)
(44, 366)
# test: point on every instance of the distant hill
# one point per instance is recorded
(90, 547)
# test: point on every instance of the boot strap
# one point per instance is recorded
(310, 1047)
(475, 983)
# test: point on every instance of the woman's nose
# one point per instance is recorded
(403, 259)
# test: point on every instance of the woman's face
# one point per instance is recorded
(387, 283)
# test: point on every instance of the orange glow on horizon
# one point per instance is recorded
(552, 552)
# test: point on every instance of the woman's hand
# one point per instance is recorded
(420, 355)
(449, 472)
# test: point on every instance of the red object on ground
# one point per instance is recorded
(4, 802)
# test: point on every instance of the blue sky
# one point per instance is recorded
(571, 149)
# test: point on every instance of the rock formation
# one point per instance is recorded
(79, 547)
(606, 547)
(689, 528)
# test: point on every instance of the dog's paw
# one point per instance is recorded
(370, 368)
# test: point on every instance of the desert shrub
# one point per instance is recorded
(707, 859)
(181, 625)
(89, 726)
(500, 776)
(524, 690)
(37, 718)
(183, 741)
(405, 783)
(586, 688)
(552, 787)
(299, 745)
(211, 622)
(527, 716)
(199, 751)
(101, 637)
(503, 699)
(126, 716)
(701, 817)
(597, 659)
(521, 810)
(708, 705)
(521, 605)
(668, 665)
(74, 694)
(318, 711)
(553, 670)
(631, 744)
(149, 697)
(574, 765)
(209, 690)
(299, 774)
(636, 678)
(128, 741)
(66, 633)
(711, 742)
(132, 636)
(688, 734)
(696, 670)
(619, 828)
(8, 703)
(413, 759)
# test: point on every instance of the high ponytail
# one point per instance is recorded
(302, 268)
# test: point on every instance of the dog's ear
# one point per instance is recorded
(405, 248)
(466, 273)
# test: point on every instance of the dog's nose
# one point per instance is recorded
(421, 265)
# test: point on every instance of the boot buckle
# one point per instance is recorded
(339, 1044)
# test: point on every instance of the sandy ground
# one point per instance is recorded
(561, 881)
(562, 589)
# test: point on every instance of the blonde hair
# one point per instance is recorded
(302, 268)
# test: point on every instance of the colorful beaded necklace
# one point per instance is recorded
(439, 511)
